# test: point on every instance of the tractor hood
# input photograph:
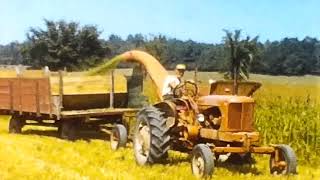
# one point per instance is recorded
(245, 88)
(217, 100)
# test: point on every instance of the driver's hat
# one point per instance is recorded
(181, 66)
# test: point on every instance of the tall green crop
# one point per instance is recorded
(290, 120)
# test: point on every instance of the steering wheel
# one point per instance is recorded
(185, 88)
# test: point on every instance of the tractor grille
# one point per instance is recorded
(240, 116)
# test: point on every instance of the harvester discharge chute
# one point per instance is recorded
(152, 66)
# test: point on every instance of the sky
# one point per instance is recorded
(199, 20)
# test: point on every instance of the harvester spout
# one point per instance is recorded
(153, 67)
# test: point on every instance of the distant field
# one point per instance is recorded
(287, 111)
(274, 85)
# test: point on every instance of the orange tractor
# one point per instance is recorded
(206, 126)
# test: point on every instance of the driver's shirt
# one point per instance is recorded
(170, 79)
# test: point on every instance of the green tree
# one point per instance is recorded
(158, 47)
(63, 44)
(240, 54)
(136, 41)
(10, 54)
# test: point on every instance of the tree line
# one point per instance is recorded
(68, 45)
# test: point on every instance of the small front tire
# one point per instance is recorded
(118, 137)
(202, 163)
(287, 161)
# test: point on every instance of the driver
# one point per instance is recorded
(173, 81)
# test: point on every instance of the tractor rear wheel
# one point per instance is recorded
(118, 137)
(15, 125)
(202, 163)
(287, 161)
(151, 139)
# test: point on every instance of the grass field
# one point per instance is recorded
(287, 112)
(37, 155)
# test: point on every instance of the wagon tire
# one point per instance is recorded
(15, 125)
(151, 140)
(286, 155)
(119, 136)
(68, 130)
(202, 161)
(59, 129)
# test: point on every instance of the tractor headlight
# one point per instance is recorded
(200, 117)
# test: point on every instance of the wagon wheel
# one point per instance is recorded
(286, 163)
(151, 137)
(202, 163)
(68, 129)
(118, 137)
(15, 125)
(59, 129)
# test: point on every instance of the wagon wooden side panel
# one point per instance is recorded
(6, 94)
(25, 95)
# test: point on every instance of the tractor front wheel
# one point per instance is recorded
(151, 139)
(202, 163)
(118, 137)
(286, 161)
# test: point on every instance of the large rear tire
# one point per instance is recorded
(287, 163)
(151, 139)
(202, 163)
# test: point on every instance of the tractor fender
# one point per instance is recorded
(169, 111)
(168, 108)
